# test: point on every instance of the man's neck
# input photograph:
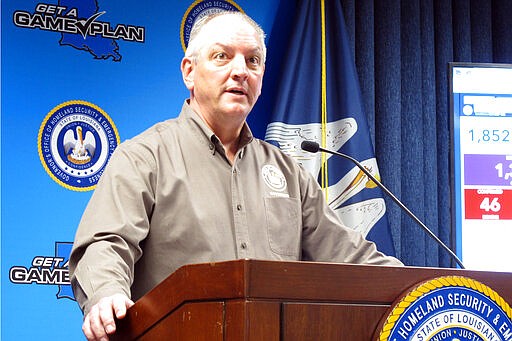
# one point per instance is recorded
(228, 132)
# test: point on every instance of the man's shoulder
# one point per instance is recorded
(272, 149)
(285, 160)
(259, 143)
(148, 143)
(154, 134)
(275, 153)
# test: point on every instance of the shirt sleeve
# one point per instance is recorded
(116, 220)
(325, 238)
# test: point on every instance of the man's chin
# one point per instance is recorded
(238, 109)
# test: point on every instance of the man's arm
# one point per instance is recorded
(107, 242)
(326, 238)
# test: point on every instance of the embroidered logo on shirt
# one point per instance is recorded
(274, 178)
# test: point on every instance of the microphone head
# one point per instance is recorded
(310, 146)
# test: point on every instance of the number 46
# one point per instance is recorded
(488, 205)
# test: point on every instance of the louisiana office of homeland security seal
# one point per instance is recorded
(200, 8)
(75, 142)
(451, 308)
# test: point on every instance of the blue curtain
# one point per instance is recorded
(402, 50)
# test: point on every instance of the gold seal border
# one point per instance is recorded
(425, 288)
(40, 134)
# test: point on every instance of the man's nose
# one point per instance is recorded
(239, 67)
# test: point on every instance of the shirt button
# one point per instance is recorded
(243, 245)
(239, 207)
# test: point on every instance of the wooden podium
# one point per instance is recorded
(268, 300)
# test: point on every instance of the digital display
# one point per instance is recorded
(481, 108)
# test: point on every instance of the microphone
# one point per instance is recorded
(314, 147)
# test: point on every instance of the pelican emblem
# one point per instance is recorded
(79, 150)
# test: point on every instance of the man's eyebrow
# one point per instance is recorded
(257, 50)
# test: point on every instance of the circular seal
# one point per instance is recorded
(75, 142)
(200, 8)
(274, 178)
(449, 308)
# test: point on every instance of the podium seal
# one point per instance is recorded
(451, 308)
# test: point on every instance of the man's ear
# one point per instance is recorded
(187, 72)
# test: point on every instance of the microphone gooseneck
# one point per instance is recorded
(314, 147)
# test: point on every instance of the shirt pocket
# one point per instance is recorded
(283, 226)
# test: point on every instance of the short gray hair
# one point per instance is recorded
(193, 43)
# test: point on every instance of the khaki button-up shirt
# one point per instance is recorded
(170, 197)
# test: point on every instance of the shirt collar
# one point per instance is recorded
(188, 113)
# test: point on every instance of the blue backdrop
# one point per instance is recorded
(134, 83)
(121, 84)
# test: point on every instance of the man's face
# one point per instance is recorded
(227, 75)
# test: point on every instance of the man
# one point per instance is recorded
(200, 188)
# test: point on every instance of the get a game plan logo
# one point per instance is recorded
(47, 270)
(80, 27)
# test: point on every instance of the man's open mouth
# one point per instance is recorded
(237, 91)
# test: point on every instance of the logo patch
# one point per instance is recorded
(449, 308)
(273, 178)
(199, 9)
(75, 142)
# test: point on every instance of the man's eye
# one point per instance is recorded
(255, 61)
(220, 56)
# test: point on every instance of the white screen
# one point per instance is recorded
(482, 159)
